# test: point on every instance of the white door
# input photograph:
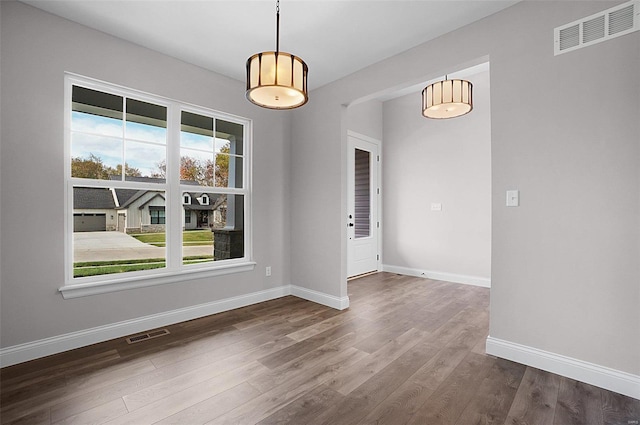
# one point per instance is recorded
(362, 205)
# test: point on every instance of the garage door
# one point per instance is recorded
(89, 222)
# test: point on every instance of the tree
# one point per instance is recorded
(128, 171)
(222, 167)
(202, 172)
(191, 169)
(93, 168)
(89, 168)
(162, 170)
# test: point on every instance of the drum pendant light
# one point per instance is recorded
(277, 80)
(447, 99)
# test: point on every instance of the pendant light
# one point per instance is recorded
(277, 80)
(447, 99)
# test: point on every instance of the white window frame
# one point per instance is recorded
(174, 271)
(186, 199)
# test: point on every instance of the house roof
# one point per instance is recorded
(126, 196)
(214, 201)
(157, 195)
(100, 198)
(140, 179)
(210, 207)
(93, 198)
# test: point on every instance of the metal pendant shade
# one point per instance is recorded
(275, 79)
(447, 99)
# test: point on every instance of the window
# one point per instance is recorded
(157, 215)
(137, 157)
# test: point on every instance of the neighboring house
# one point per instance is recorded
(94, 209)
(141, 211)
(202, 210)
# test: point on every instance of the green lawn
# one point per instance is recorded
(189, 237)
(95, 268)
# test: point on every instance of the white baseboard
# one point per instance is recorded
(448, 277)
(320, 297)
(600, 376)
(45, 347)
(58, 344)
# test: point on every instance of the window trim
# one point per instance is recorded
(131, 282)
(174, 271)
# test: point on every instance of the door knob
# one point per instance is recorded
(350, 224)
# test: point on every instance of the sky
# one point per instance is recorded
(143, 147)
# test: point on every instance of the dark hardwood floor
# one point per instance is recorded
(407, 351)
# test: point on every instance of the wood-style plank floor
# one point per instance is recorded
(407, 351)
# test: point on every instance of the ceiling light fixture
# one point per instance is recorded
(447, 99)
(277, 80)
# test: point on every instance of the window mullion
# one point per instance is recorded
(173, 207)
(68, 189)
(124, 138)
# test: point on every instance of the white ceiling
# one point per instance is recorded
(335, 38)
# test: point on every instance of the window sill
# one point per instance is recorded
(121, 284)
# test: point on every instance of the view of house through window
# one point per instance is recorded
(120, 183)
(211, 156)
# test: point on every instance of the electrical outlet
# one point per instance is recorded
(268, 271)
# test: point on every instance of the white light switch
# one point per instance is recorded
(513, 198)
(436, 206)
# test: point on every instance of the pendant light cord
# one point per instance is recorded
(277, 27)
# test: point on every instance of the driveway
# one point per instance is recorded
(107, 246)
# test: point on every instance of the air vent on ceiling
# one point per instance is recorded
(611, 23)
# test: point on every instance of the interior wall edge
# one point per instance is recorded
(339, 303)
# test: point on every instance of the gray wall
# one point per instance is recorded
(565, 132)
(318, 195)
(366, 118)
(36, 50)
(438, 161)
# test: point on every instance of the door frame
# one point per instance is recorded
(376, 227)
